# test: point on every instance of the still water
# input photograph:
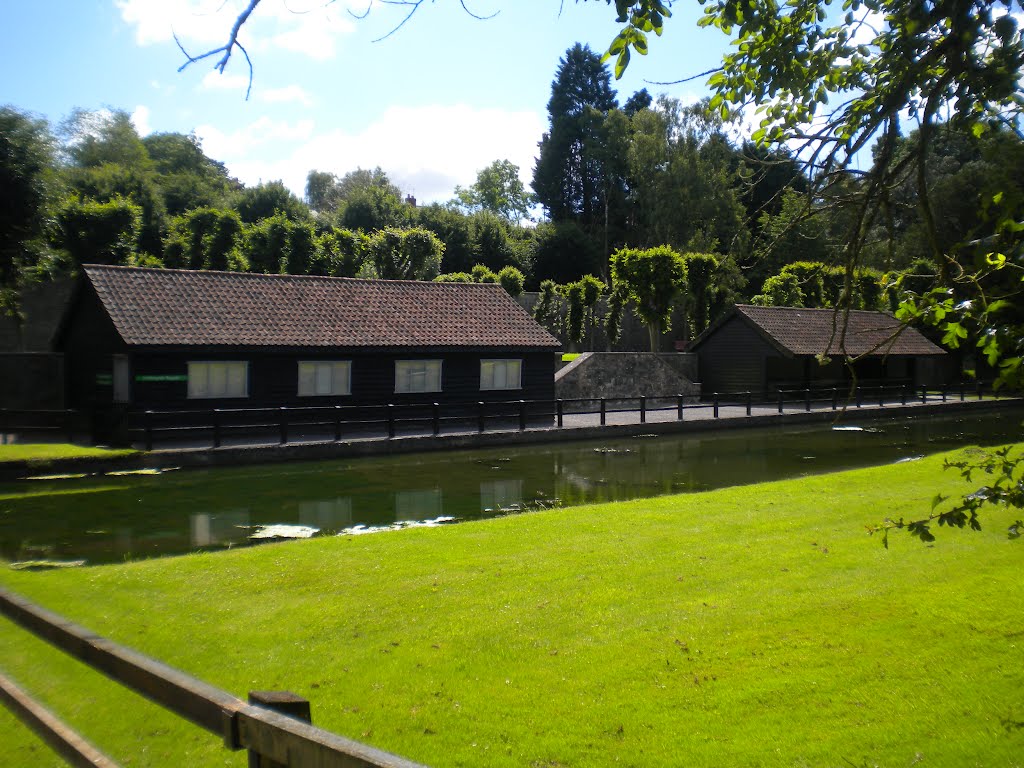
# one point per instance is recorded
(114, 518)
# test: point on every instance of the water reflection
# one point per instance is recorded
(109, 519)
(223, 528)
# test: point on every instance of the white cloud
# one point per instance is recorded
(310, 28)
(427, 151)
(215, 81)
(291, 93)
(140, 119)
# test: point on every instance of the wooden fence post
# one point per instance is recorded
(286, 703)
(337, 423)
(559, 405)
(480, 416)
(780, 401)
(603, 411)
(750, 398)
(436, 418)
(284, 425)
(149, 431)
(643, 410)
(522, 415)
(679, 407)
(391, 420)
(216, 427)
(716, 405)
(807, 400)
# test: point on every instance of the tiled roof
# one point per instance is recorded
(817, 331)
(179, 307)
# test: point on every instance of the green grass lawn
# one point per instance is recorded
(753, 626)
(47, 452)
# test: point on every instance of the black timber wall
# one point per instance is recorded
(89, 342)
(733, 359)
(273, 376)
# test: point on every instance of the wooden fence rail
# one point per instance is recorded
(268, 735)
(284, 425)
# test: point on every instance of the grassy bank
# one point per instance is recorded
(44, 453)
(750, 626)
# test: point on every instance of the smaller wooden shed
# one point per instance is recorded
(765, 349)
(172, 339)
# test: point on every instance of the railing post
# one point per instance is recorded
(903, 395)
(559, 411)
(780, 401)
(148, 426)
(391, 420)
(480, 416)
(963, 391)
(835, 398)
(715, 404)
(522, 415)
(283, 421)
(679, 407)
(943, 391)
(750, 398)
(216, 428)
(436, 418)
(286, 703)
(643, 410)
(858, 396)
(807, 400)
(924, 393)
(337, 423)
(979, 390)
(604, 411)
(881, 396)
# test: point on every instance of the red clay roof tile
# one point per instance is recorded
(156, 307)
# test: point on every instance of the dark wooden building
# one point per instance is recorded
(764, 349)
(175, 339)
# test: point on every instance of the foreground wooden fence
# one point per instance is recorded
(216, 427)
(268, 725)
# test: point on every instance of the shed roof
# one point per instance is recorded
(800, 331)
(159, 307)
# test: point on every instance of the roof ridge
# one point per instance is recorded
(273, 275)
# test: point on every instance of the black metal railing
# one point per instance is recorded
(221, 427)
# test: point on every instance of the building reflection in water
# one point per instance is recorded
(226, 527)
(418, 505)
(501, 494)
(326, 514)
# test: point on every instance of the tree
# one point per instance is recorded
(107, 160)
(497, 189)
(651, 280)
(99, 233)
(267, 199)
(26, 181)
(206, 238)
(405, 254)
(569, 177)
(186, 177)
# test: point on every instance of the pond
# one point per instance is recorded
(111, 518)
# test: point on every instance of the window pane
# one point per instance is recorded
(237, 384)
(501, 374)
(323, 379)
(307, 374)
(218, 380)
(417, 376)
(342, 379)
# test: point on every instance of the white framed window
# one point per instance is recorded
(417, 376)
(218, 379)
(501, 374)
(325, 377)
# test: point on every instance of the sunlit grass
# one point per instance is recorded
(750, 626)
(46, 452)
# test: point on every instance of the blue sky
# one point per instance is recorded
(432, 104)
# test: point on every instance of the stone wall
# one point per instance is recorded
(628, 374)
